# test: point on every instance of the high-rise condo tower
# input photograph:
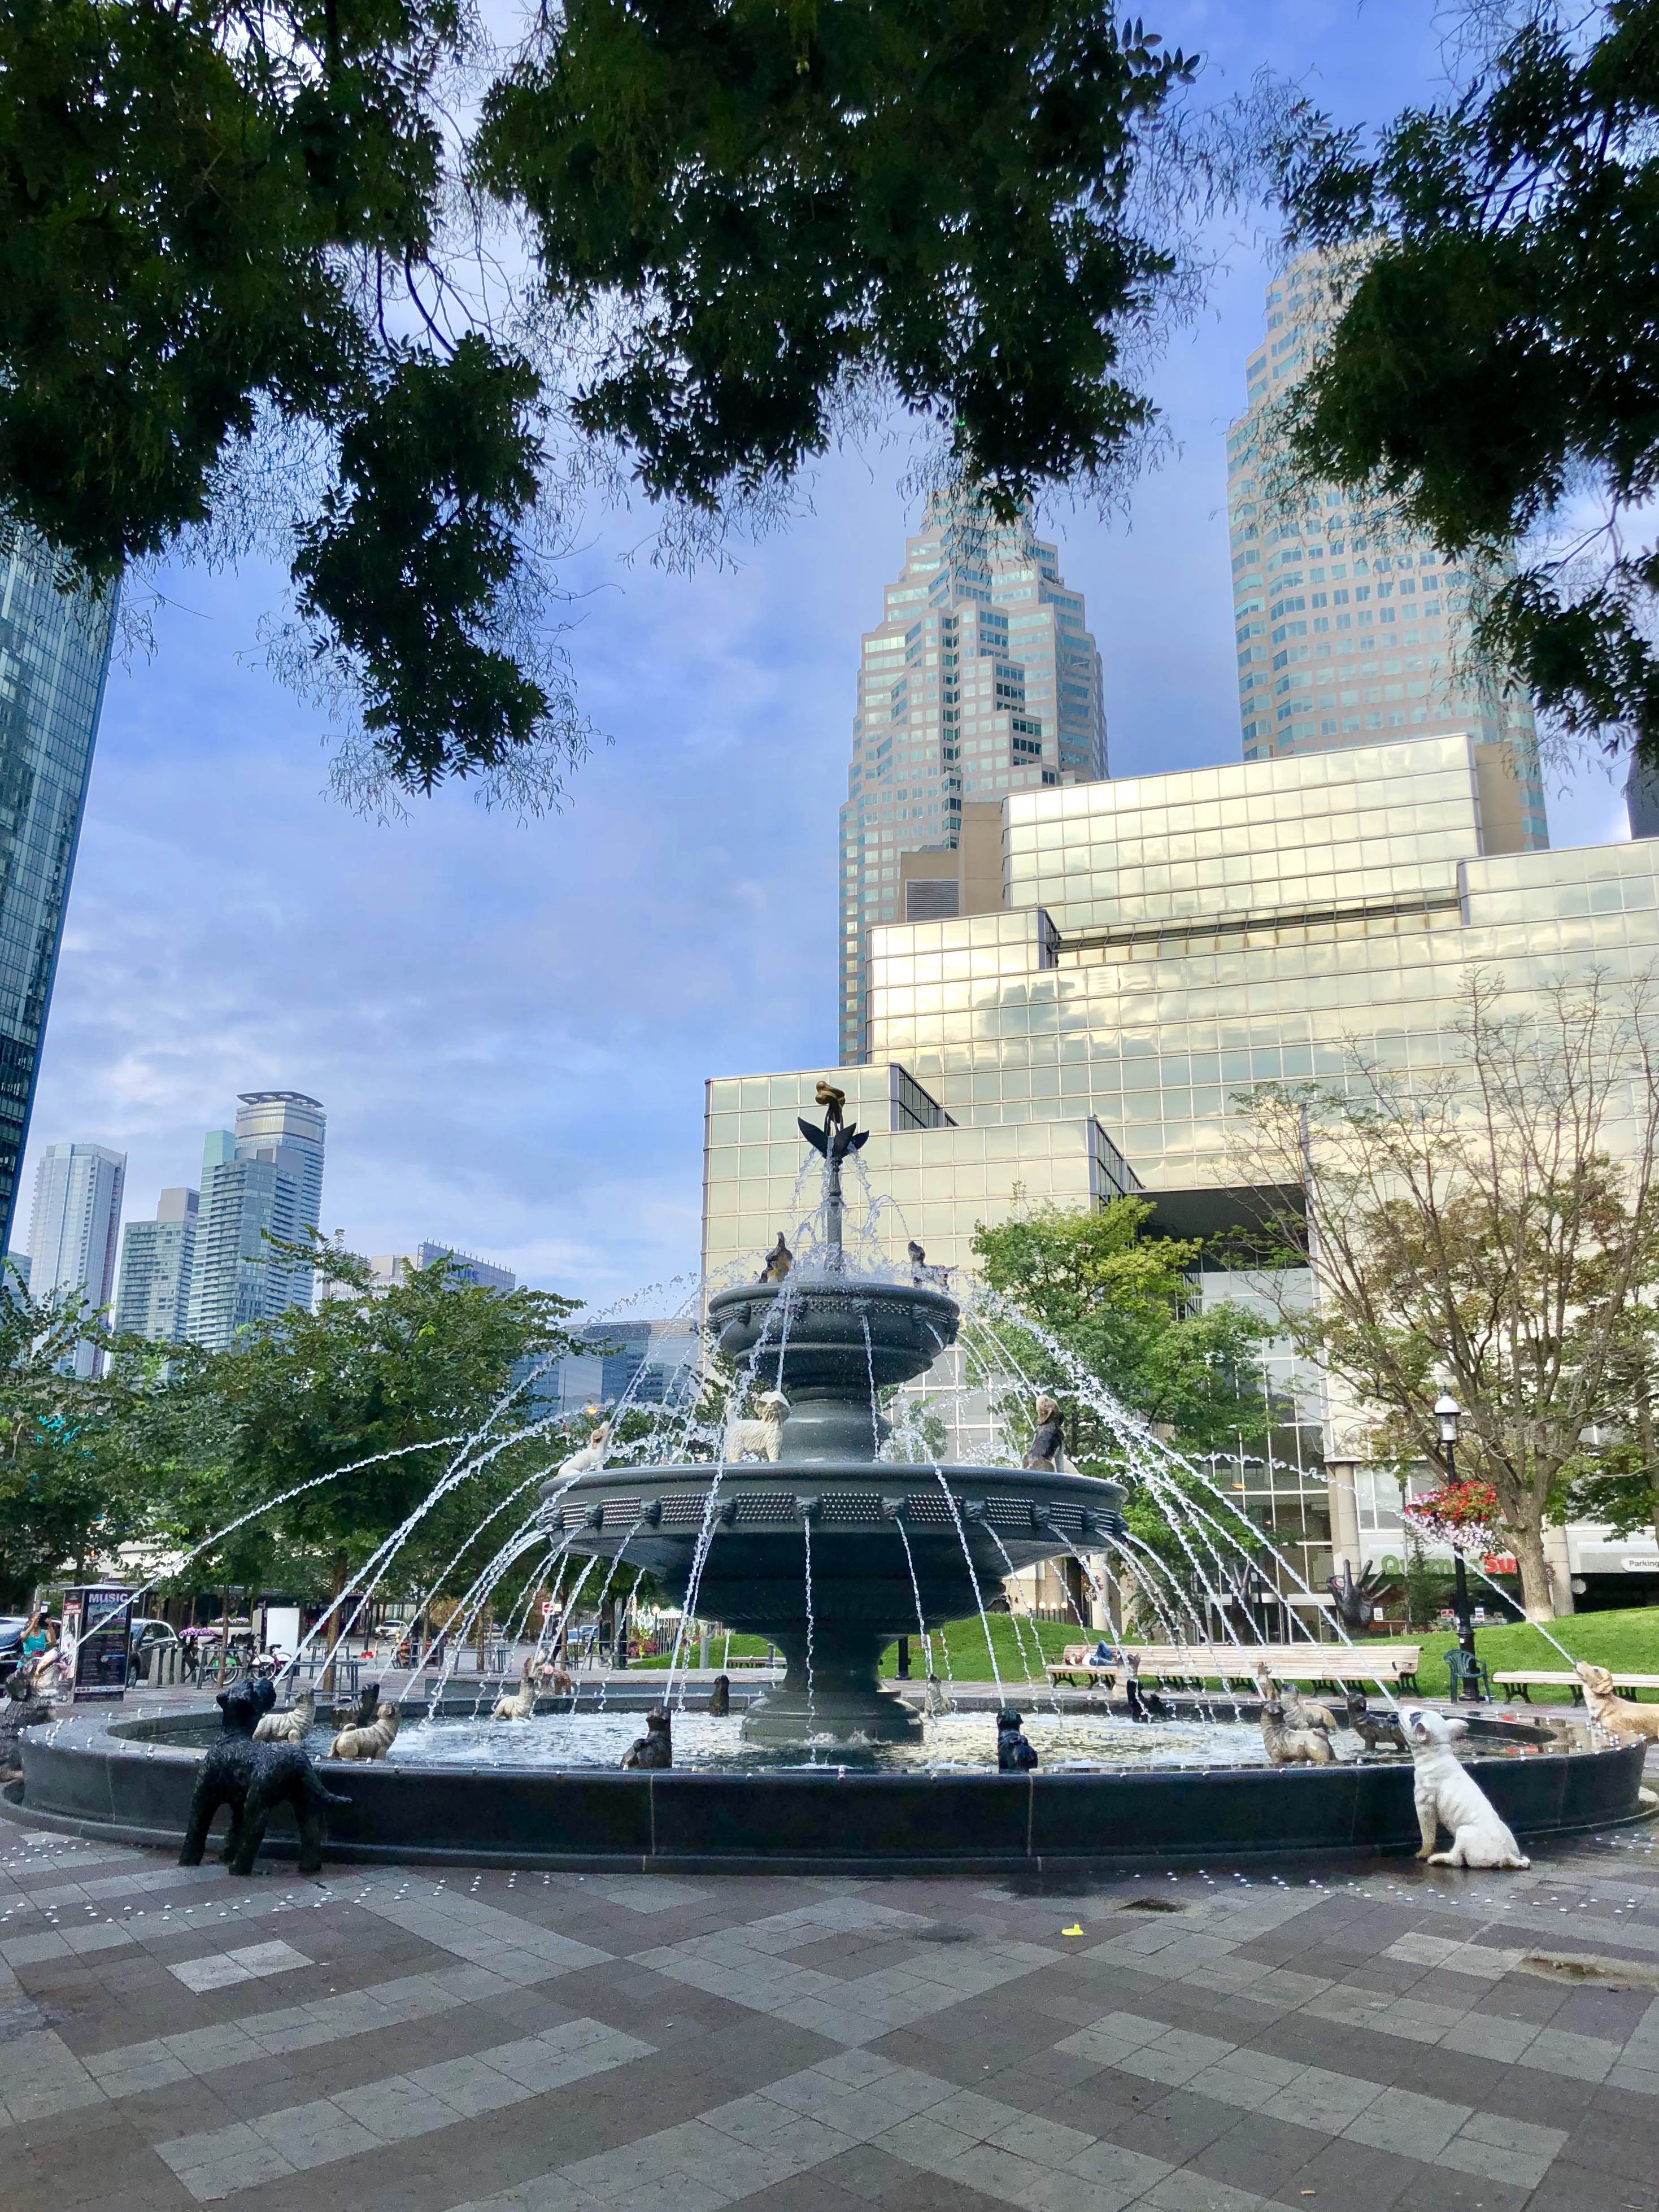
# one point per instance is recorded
(1352, 626)
(74, 1229)
(981, 679)
(264, 1181)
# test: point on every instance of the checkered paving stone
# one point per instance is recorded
(1389, 2038)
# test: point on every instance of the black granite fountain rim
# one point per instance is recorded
(92, 1776)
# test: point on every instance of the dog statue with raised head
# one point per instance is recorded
(522, 1704)
(590, 1458)
(553, 1677)
(757, 1439)
(372, 1742)
(655, 1748)
(1447, 1796)
(1300, 1712)
(719, 1697)
(1015, 1754)
(1622, 1717)
(292, 1727)
(253, 1779)
(1286, 1745)
(1376, 1731)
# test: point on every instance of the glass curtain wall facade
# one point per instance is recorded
(981, 679)
(1350, 623)
(269, 1184)
(74, 1229)
(54, 656)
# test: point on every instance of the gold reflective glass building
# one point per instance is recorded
(1164, 943)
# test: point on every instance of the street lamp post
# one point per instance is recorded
(1447, 1414)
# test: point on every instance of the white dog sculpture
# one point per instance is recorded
(1447, 1795)
(292, 1726)
(590, 1458)
(758, 1439)
(522, 1704)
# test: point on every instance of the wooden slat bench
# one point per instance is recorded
(1528, 1678)
(1338, 1664)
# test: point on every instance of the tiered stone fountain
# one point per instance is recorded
(829, 1553)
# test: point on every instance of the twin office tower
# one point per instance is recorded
(205, 1267)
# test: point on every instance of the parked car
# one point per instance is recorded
(12, 1628)
(147, 1636)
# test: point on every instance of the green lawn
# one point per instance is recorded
(1615, 1639)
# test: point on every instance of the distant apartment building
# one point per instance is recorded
(1352, 627)
(262, 1181)
(649, 1363)
(74, 1230)
(982, 679)
(389, 1269)
(54, 653)
(152, 1298)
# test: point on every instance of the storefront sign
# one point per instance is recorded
(1499, 1563)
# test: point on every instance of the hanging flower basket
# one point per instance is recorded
(1461, 1515)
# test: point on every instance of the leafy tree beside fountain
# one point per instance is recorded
(1120, 1303)
(369, 1371)
(1488, 1228)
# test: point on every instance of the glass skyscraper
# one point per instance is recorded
(152, 1300)
(54, 655)
(1167, 942)
(982, 679)
(1351, 625)
(264, 1181)
(73, 1230)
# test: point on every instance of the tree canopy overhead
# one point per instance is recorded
(260, 274)
(1496, 365)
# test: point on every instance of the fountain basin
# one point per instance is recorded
(889, 1551)
(130, 1781)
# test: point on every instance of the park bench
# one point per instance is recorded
(1528, 1678)
(1338, 1665)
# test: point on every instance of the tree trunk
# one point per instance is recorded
(331, 1632)
(1535, 1591)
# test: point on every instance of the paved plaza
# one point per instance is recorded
(413, 2040)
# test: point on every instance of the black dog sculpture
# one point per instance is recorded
(252, 1778)
(719, 1697)
(655, 1748)
(1014, 1754)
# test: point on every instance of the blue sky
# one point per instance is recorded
(510, 1027)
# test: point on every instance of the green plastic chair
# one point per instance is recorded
(1462, 1667)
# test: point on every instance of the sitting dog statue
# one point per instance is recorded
(1014, 1752)
(934, 1701)
(292, 1726)
(719, 1697)
(759, 1438)
(1376, 1731)
(1292, 1747)
(1446, 1795)
(522, 1704)
(251, 1778)
(1622, 1717)
(655, 1748)
(372, 1741)
(553, 1677)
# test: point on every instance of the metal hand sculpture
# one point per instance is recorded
(1355, 1602)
